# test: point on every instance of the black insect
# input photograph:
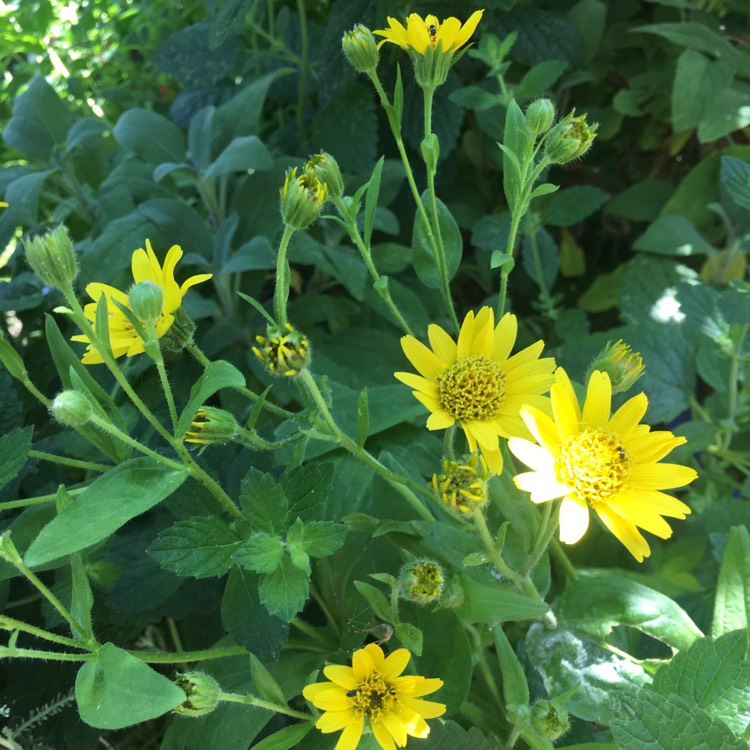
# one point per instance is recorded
(432, 29)
(352, 693)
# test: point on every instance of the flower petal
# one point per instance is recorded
(395, 663)
(442, 344)
(423, 359)
(626, 532)
(598, 403)
(574, 520)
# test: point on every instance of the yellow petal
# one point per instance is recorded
(598, 400)
(628, 415)
(625, 532)
(341, 675)
(395, 727)
(425, 686)
(483, 433)
(541, 486)
(542, 428)
(417, 34)
(418, 383)
(468, 29)
(423, 359)
(534, 456)
(193, 280)
(574, 520)
(362, 664)
(382, 735)
(661, 476)
(563, 381)
(506, 332)
(351, 736)
(426, 709)
(448, 33)
(396, 663)
(566, 412)
(494, 460)
(631, 509)
(465, 336)
(442, 344)
(334, 721)
(332, 699)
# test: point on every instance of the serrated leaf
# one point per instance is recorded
(264, 501)
(597, 604)
(735, 179)
(198, 547)
(108, 503)
(115, 690)
(261, 553)
(323, 538)
(712, 674)
(216, 376)
(14, 449)
(448, 736)
(285, 591)
(649, 721)
(732, 604)
(306, 488)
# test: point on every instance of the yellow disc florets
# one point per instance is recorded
(594, 464)
(462, 487)
(373, 696)
(472, 388)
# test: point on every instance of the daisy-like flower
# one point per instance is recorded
(609, 463)
(476, 382)
(423, 33)
(373, 688)
(145, 267)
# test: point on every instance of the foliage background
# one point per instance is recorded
(177, 121)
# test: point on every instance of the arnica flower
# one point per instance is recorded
(607, 463)
(476, 382)
(462, 487)
(431, 45)
(373, 688)
(145, 267)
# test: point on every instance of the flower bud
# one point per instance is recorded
(71, 408)
(569, 139)
(549, 721)
(361, 49)
(421, 581)
(326, 169)
(180, 333)
(621, 363)
(210, 426)
(202, 694)
(285, 351)
(540, 115)
(462, 487)
(52, 257)
(302, 198)
(146, 300)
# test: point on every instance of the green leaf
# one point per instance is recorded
(14, 449)
(568, 207)
(199, 137)
(81, 599)
(697, 80)
(101, 326)
(264, 501)
(200, 547)
(267, 687)
(245, 153)
(150, 135)
(323, 538)
(261, 553)
(735, 179)
(285, 591)
(474, 97)
(515, 685)
(673, 235)
(410, 637)
(216, 376)
(544, 189)
(516, 141)
(371, 200)
(712, 674)
(642, 201)
(306, 488)
(285, 738)
(246, 620)
(363, 413)
(732, 604)
(377, 600)
(567, 660)
(104, 506)
(497, 603)
(597, 604)
(115, 690)
(648, 721)
(540, 78)
(424, 261)
(448, 736)
(241, 115)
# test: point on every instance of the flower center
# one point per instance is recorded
(458, 484)
(472, 388)
(373, 696)
(594, 464)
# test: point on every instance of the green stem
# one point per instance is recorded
(312, 631)
(34, 391)
(277, 708)
(525, 585)
(563, 559)
(304, 63)
(396, 480)
(166, 387)
(30, 653)
(321, 602)
(547, 527)
(166, 657)
(449, 439)
(281, 293)
(39, 500)
(73, 462)
(732, 391)
(10, 623)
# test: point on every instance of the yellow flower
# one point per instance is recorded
(476, 382)
(3, 204)
(608, 463)
(145, 267)
(422, 33)
(374, 689)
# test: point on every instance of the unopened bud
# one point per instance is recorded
(462, 487)
(202, 694)
(302, 198)
(570, 138)
(52, 257)
(621, 363)
(540, 115)
(180, 333)
(326, 169)
(146, 300)
(284, 351)
(549, 721)
(421, 581)
(71, 408)
(361, 49)
(211, 426)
